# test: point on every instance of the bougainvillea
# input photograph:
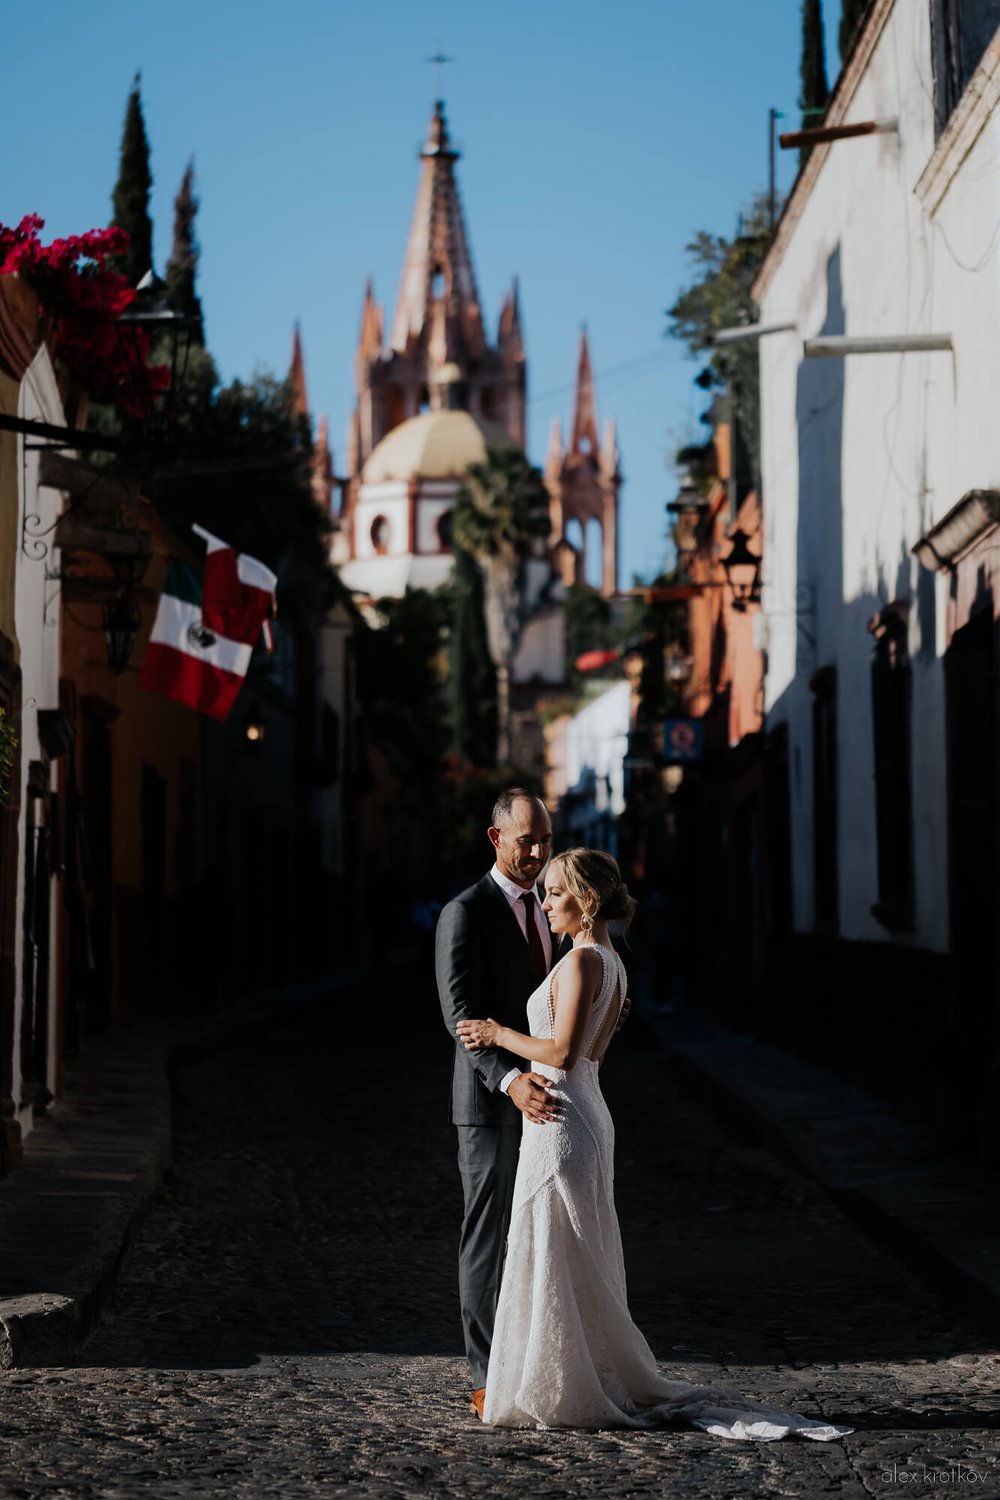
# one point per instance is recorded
(82, 298)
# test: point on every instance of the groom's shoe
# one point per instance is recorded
(476, 1404)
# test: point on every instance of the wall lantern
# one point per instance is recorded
(254, 726)
(742, 569)
(150, 316)
(689, 508)
(120, 621)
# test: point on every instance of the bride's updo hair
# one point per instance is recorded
(594, 878)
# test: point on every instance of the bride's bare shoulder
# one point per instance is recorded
(586, 960)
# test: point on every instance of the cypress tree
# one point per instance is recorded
(852, 13)
(182, 267)
(815, 90)
(130, 198)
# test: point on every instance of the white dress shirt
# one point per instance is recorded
(514, 893)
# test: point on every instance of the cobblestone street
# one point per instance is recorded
(288, 1323)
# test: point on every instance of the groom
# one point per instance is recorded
(493, 948)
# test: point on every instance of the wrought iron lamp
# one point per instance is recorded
(742, 569)
(120, 621)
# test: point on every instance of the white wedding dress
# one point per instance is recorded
(565, 1351)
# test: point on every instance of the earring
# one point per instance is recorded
(587, 922)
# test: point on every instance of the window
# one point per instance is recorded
(891, 698)
(961, 31)
(380, 534)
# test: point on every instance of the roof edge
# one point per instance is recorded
(839, 102)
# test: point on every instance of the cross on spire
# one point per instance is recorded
(439, 61)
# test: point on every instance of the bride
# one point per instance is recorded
(565, 1351)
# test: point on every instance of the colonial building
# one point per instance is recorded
(430, 402)
(880, 462)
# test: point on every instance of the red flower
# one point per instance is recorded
(84, 297)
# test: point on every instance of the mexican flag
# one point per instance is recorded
(206, 627)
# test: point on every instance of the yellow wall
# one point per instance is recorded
(161, 733)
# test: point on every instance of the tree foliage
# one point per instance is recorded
(130, 199)
(182, 267)
(852, 13)
(500, 512)
(502, 508)
(589, 626)
(815, 89)
(239, 464)
(400, 677)
(720, 296)
(236, 459)
(471, 690)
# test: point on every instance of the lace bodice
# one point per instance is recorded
(541, 1012)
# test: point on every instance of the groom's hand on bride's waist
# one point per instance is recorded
(530, 1092)
(623, 1017)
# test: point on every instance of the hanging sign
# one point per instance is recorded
(683, 740)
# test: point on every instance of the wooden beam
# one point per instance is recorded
(59, 472)
(822, 133)
(78, 532)
(70, 437)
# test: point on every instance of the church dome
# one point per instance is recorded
(435, 445)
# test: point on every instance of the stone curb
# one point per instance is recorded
(940, 1215)
(91, 1172)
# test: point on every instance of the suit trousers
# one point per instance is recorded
(487, 1160)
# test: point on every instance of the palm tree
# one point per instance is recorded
(500, 511)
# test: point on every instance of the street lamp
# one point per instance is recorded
(742, 569)
(120, 621)
(151, 315)
(689, 507)
(254, 726)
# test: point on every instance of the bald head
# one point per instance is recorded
(504, 805)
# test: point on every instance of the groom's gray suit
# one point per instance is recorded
(484, 968)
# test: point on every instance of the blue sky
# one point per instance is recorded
(596, 140)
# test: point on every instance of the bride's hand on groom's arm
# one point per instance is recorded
(529, 1091)
(626, 1007)
(473, 1034)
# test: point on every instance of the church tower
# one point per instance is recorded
(435, 396)
(438, 356)
(583, 482)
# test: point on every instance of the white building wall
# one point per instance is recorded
(37, 623)
(541, 650)
(860, 455)
(596, 743)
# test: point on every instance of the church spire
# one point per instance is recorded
(297, 376)
(510, 337)
(438, 284)
(585, 438)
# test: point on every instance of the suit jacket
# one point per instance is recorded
(483, 965)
